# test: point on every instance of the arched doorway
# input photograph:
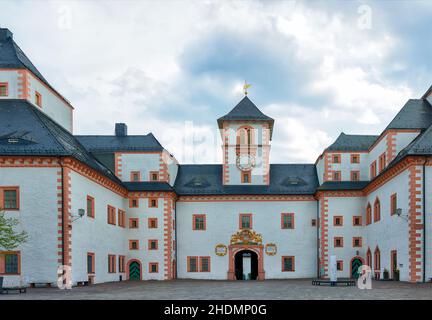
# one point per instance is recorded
(134, 270)
(246, 259)
(356, 263)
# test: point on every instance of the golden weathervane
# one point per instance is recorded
(245, 87)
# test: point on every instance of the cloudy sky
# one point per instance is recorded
(174, 67)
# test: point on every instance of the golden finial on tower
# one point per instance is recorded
(245, 87)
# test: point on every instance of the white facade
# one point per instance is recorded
(53, 189)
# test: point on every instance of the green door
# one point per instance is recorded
(134, 270)
(355, 265)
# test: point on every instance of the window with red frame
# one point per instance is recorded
(4, 89)
(287, 220)
(111, 263)
(111, 213)
(152, 223)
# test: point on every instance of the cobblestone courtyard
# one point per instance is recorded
(197, 289)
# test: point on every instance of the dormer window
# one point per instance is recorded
(135, 176)
(4, 88)
(246, 177)
(38, 99)
(154, 176)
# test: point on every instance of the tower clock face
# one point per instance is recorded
(245, 162)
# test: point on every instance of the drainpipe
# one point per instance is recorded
(424, 220)
(175, 234)
(317, 233)
(63, 212)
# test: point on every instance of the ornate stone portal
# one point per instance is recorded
(246, 239)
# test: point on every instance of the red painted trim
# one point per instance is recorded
(194, 217)
(131, 242)
(136, 174)
(128, 267)
(153, 264)
(241, 215)
(292, 263)
(150, 241)
(201, 264)
(131, 220)
(3, 200)
(353, 158)
(341, 241)
(149, 223)
(189, 258)
(92, 255)
(6, 86)
(360, 221)
(359, 239)
(153, 202)
(283, 215)
(3, 262)
(335, 218)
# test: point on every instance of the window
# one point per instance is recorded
(357, 221)
(338, 221)
(288, 264)
(153, 203)
(198, 222)
(357, 242)
(382, 162)
(90, 207)
(121, 266)
(355, 175)
(154, 176)
(205, 264)
(192, 264)
(135, 176)
(244, 140)
(245, 221)
(355, 158)
(111, 212)
(368, 214)
(313, 222)
(336, 158)
(336, 176)
(10, 262)
(393, 204)
(373, 170)
(4, 88)
(287, 220)
(133, 244)
(377, 259)
(246, 177)
(153, 267)
(111, 263)
(339, 265)
(152, 223)
(121, 218)
(338, 242)
(133, 203)
(38, 99)
(133, 223)
(377, 210)
(152, 244)
(9, 198)
(369, 258)
(90, 262)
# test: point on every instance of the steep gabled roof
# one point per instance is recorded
(12, 57)
(98, 144)
(285, 179)
(26, 131)
(246, 110)
(351, 142)
(415, 114)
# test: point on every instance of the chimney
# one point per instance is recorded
(5, 34)
(121, 129)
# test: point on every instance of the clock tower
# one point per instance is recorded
(246, 134)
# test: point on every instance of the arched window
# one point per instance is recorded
(369, 258)
(244, 140)
(377, 210)
(377, 258)
(368, 214)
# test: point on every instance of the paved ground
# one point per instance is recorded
(197, 289)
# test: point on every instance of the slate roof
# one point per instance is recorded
(11, 56)
(342, 185)
(351, 142)
(115, 143)
(285, 179)
(148, 186)
(25, 131)
(415, 114)
(246, 110)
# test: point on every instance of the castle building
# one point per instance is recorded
(122, 207)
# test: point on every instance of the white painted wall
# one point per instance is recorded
(223, 221)
(95, 235)
(38, 217)
(142, 162)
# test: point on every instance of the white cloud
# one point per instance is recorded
(119, 61)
